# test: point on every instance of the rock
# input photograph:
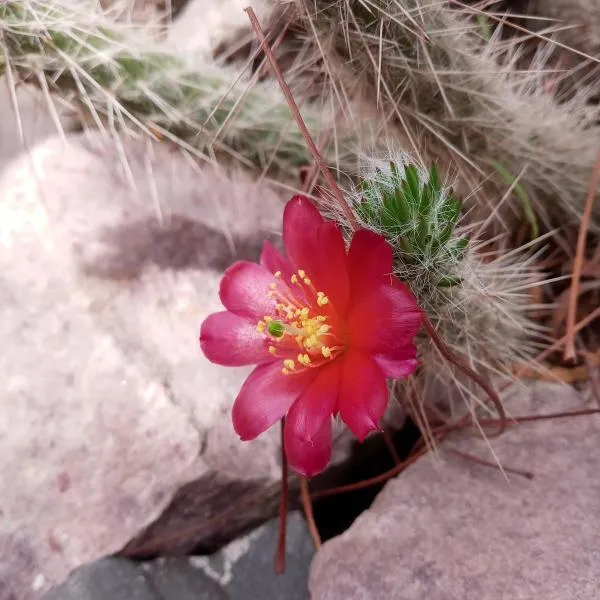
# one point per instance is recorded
(122, 579)
(448, 528)
(201, 26)
(243, 570)
(245, 567)
(33, 116)
(113, 425)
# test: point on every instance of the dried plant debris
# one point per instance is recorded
(460, 95)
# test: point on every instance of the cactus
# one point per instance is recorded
(116, 75)
(477, 302)
(464, 99)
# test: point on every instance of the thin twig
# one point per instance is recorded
(335, 189)
(558, 343)
(487, 463)
(283, 505)
(592, 364)
(373, 480)
(308, 511)
(389, 442)
(570, 352)
(445, 352)
(442, 431)
(529, 418)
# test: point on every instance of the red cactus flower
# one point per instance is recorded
(326, 327)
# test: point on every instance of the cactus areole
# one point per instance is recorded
(325, 325)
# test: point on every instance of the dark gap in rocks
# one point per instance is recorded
(335, 514)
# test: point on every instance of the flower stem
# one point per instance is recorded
(280, 555)
(308, 511)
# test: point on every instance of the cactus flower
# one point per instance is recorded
(325, 325)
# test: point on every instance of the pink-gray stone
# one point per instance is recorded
(449, 529)
(111, 420)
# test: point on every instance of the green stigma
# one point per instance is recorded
(276, 328)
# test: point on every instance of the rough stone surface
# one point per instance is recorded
(243, 570)
(34, 121)
(449, 529)
(201, 26)
(108, 407)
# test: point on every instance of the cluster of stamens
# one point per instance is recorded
(299, 322)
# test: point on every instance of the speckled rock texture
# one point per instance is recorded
(114, 429)
(243, 570)
(449, 529)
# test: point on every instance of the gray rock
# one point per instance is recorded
(449, 529)
(243, 570)
(245, 567)
(121, 579)
(111, 418)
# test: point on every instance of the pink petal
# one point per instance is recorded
(301, 219)
(317, 248)
(274, 261)
(328, 267)
(230, 340)
(265, 397)
(308, 457)
(363, 393)
(399, 363)
(245, 290)
(370, 260)
(315, 407)
(384, 321)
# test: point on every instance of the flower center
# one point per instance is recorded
(300, 331)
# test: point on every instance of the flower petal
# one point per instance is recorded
(316, 405)
(385, 320)
(308, 458)
(265, 397)
(399, 363)
(271, 259)
(370, 260)
(301, 220)
(363, 393)
(318, 248)
(328, 267)
(245, 290)
(230, 340)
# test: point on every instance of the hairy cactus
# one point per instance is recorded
(120, 78)
(478, 301)
(459, 97)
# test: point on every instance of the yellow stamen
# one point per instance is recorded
(273, 286)
(261, 327)
(294, 278)
(301, 273)
(277, 274)
(289, 364)
(304, 359)
(326, 352)
(322, 299)
(307, 281)
(285, 371)
(272, 350)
